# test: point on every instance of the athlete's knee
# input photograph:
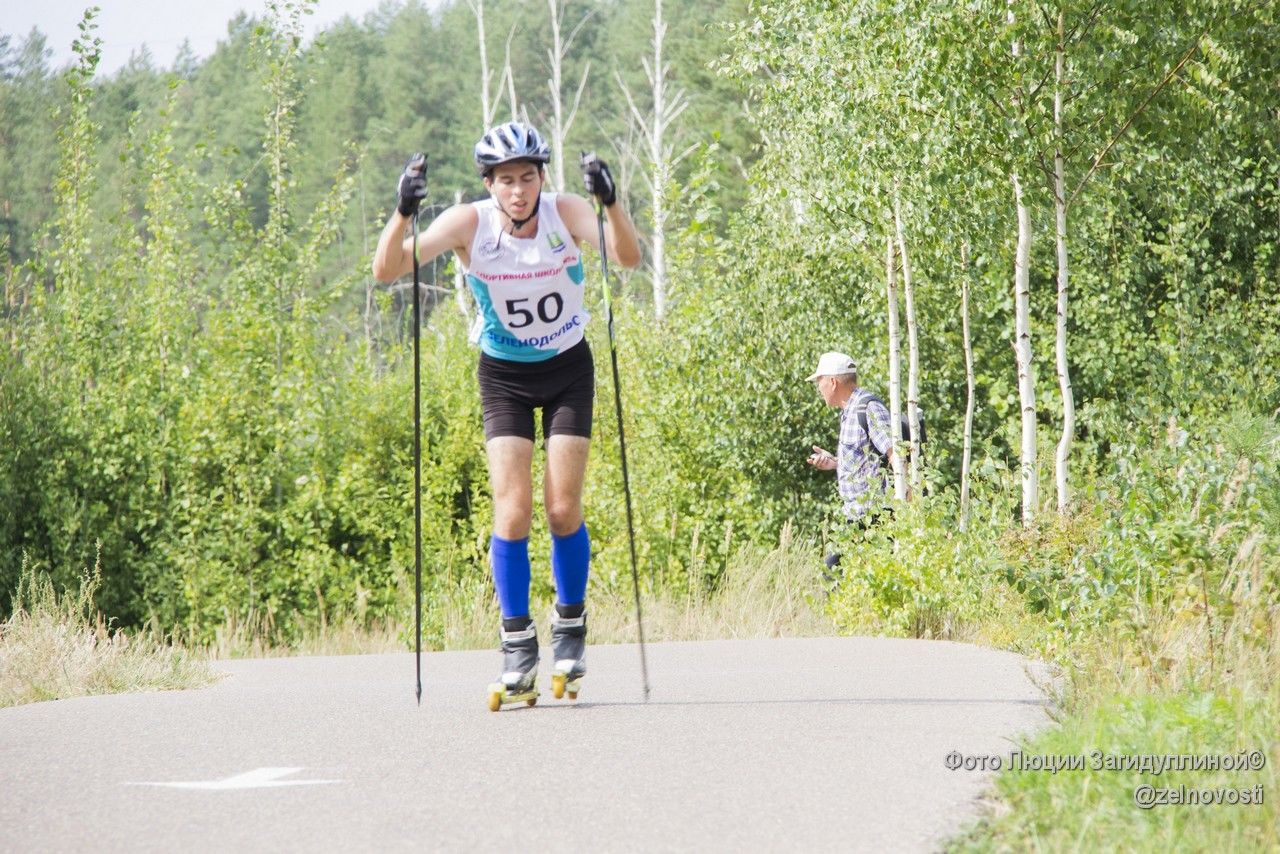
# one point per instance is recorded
(564, 516)
(511, 517)
(512, 495)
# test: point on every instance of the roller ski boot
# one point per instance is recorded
(569, 649)
(519, 682)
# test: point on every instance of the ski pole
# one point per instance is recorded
(417, 467)
(622, 442)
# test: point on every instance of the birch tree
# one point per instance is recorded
(488, 110)
(1063, 452)
(1023, 354)
(1029, 466)
(561, 123)
(459, 281)
(895, 369)
(913, 349)
(1107, 81)
(656, 129)
(489, 103)
(518, 113)
(966, 453)
(487, 106)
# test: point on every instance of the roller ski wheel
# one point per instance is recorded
(519, 682)
(569, 645)
(500, 696)
(561, 685)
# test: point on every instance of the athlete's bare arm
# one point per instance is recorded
(620, 233)
(452, 231)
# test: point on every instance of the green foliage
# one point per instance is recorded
(198, 373)
(1048, 811)
(918, 575)
(27, 89)
(33, 468)
(1167, 531)
(1182, 523)
(200, 385)
(202, 415)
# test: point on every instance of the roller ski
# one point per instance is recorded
(519, 681)
(569, 649)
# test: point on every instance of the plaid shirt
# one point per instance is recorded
(860, 473)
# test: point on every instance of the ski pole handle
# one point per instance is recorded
(598, 180)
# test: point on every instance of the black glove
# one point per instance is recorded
(598, 181)
(413, 185)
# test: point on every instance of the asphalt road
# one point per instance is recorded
(775, 745)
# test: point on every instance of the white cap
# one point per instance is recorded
(833, 364)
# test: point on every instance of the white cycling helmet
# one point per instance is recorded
(508, 142)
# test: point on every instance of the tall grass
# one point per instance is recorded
(1161, 696)
(1174, 651)
(763, 592)
(57, 645)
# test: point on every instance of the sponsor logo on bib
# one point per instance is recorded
(489, 250)
(557, 245)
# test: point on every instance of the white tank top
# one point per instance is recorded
(528, 290)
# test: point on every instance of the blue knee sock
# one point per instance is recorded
(510, 561)
(570, 560)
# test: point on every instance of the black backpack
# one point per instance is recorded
(861, 413)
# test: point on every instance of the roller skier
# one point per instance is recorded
(520, 250)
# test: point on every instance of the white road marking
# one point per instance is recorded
(259, 778)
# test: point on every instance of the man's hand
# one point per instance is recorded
(413, 185)
(598, 180)
(822, 460)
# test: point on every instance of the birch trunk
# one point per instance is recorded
(560, 123)
(487, 106)
(1063, 457)
(667, 106)
(370, 285)
(913, 350)
(1022, 350)
(895, 371)
(459, 281)
(658, 80)
(558, 130)
(967, 453)
(659, 241)
(511, 81)
(1029, 465)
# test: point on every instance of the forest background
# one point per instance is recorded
(1061, 219)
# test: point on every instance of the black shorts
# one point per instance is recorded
(564, 387)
